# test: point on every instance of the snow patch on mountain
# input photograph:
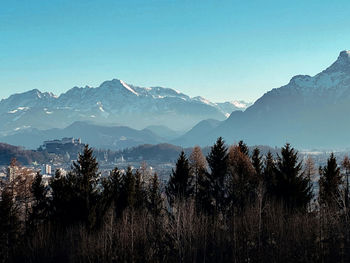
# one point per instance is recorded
(240, 104)
(204, 100)
(100, 107)
(128, 88)
(18, 109)
(21, 128)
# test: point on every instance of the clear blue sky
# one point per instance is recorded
(222, 50)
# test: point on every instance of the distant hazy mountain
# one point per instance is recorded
(112, 103)
(198, 134)
(307, 112)
(164, 132)
(227, 107)
(232, 106)
(113, 137)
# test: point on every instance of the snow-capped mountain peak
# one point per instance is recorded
(309, 111)
(114, 101)
(117, 84)
(333, 81)
(345, 54)
(203, 100)
(342, 64)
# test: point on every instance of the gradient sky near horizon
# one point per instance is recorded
(221, 50)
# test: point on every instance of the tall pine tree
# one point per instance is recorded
(78, 194)
(180, 183)
(86, 172)
(330, 183)
(291, 186)
(218, 164)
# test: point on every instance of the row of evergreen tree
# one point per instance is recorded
(223, 184)
(229, 179)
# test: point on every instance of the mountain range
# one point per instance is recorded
(308, 112)
(112, 103)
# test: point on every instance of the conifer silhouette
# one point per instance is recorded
(291, 186)
(179, 186)
(330, 183)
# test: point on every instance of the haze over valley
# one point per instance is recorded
(118, 115)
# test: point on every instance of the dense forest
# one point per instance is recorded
(234, 205)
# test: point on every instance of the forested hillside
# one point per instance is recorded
(25, 157)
